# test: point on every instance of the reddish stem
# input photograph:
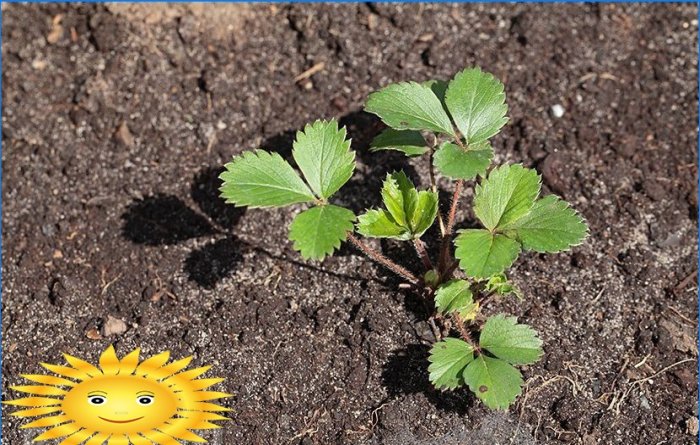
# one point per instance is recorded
(384, 261)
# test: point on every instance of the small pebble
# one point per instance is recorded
(113, 326)
(557, 111)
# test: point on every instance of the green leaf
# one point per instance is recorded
(507, 194)
(476, 101)
(500, 285)
(400, 197)
(318, 231)
(494, 381)
(454, 296)
(409, 142)
(424, 214)
(550, 226)
(324, 156)
(515, 343)
(380, 224)
(448, 358)
(439, 88)
(261, 179)
(482, 253)
(458, 163)
(410, 106)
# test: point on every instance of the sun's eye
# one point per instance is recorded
(144, 400)
(97, 400)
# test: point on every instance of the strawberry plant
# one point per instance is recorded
(450, 123)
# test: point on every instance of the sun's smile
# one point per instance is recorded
(160, 402)
(120, 421)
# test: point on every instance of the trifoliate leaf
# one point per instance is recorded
(515, 343)
(494, 381)
(316, 232)
(424, 214)
(448, 359)
(454, 296)
(400, 197)
(261, 179)
(550, 226)
(482, 253)
(439, 87)
(410, 106)
(456, 162)
(380, 224)
(476, 101)
(409, 142)
(324, 156)
(507, 194)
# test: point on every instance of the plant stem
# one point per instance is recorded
(423, 253)
(445, 247)
(433, 187)
(384, 261)
(464, 332)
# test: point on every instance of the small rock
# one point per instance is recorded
(691, 426)
(113, 326)
(56, 30)
(93, 334)
(123, 135)
(557, 111)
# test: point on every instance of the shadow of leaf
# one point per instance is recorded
(208, 265)
(162, 219)
(205, 192)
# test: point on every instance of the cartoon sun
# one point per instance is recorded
(121, 401)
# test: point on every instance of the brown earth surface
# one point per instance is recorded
(117, 118)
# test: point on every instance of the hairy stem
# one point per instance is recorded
(464, 332)
(384, 261)
(445, 246)
(423, 253)
(433, 187)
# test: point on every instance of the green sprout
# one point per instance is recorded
(452, 123)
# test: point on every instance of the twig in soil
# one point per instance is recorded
(384, 261)
(682, 317)
(686, 280)
(310, 72)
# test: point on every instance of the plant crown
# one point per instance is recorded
(459, 117)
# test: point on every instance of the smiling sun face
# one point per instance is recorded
(121, 401)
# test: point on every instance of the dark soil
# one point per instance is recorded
(117, 119)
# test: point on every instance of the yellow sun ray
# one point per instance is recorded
(58, 431)
(109, 362)
(48, 379)
(82, 365)
(77, 438)
(121, 401)
(129, 362)
(66, 371)
(34, 401)
(40, 390)
(139, 440)
(47, 421)
(160, 438)
(151, 364)
(34, 412)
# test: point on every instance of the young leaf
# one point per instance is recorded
(324, 156)
(515, 343)
(425, 213)
(500, 285)
(410, 106)
(550, 226)
(507, 194)
(482, 253)
(316, 232)
(477, 104)
(458, 163)
(261, 179)
(380, 224)
(448, 359)
(494, 381)
(409, 142)
(454, 296)
(400, 197)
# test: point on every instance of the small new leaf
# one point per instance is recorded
(318, 231)
(425, 213)
(463, 163)
(454, 296)
(448, 359)
(515, 343)
(482, 253)
(410, 106)
(409, 142)
(494, 381)
(324, 156)
(507, 194)
(500, 285)
(400, 197)
(379, 223)
(550, 226)
(476, 101)
(261, 179)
